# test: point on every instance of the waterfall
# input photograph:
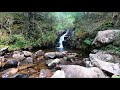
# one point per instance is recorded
(62, 39)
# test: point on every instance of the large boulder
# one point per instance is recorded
(3, 50)
(76, 71)
(113, 68)
(103, 57)
(50, 55)
(106, 37)
(59, 74)
(108, 56)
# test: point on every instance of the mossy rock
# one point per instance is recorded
(115, 76)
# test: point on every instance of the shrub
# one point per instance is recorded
(88, 41)
(113, 48)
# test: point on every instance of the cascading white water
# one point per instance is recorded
(62, 39)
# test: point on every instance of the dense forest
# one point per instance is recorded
(90, 42)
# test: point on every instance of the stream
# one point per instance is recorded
(34, 71)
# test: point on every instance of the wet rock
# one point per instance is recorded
(59, 74)
(31, 71)
(65, 58)
(34, 76)
(106, 37)
(113, 68)
(50, 55)
(63, 61)
(71, 61)
(76, 71)
(22, 76)
(79, 62)
(11, 64)
(45, 73)
(9, 73)
(71, 56)
(59, 54)
(24, 67)
(56, 61)
(39, 59)
(28, 60)
(3, 50)
(27, 53)
(8, 55)
(52, 66)
(18, 56)
(65, 53)
(48, 61)
(39, 53)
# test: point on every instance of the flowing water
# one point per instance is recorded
(62, 39)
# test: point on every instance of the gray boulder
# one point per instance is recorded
(76, 71)
(59, 74)
(106, 37)
(108, 56)
(113, 68)
(103, 57)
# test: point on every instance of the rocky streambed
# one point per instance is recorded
(39, 64)
(54, 64)
(64, 63)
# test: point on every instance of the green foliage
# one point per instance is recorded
(64, 20)
(39, 28)
(88, 41)
(47, 40)
(114, 49)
